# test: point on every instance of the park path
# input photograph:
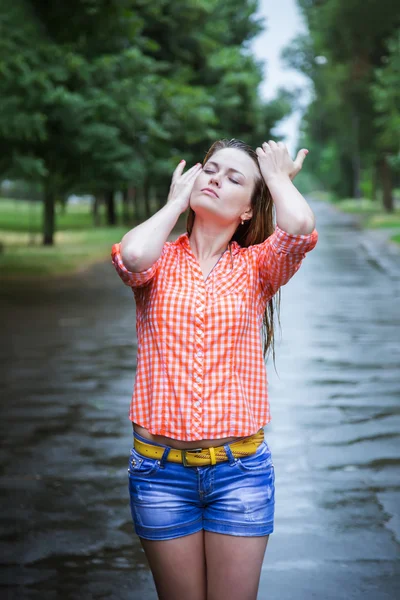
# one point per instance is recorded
(67, 357)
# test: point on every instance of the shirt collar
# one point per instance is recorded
(183, 240)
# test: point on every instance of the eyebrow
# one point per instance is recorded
(211, 162)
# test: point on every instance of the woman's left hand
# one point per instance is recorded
(274, 160)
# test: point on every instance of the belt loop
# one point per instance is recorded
(231, 458)
(212, 456)
(164, 457)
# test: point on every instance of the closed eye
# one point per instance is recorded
(230, 178)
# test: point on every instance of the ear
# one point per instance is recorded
(246, 215)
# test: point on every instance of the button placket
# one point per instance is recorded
(198, 366)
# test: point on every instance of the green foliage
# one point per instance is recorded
(68, 117)
(124, 91)
(72, 251)
(26, 216)
(345, 126)
(386, 97)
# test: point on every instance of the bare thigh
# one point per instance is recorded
(178, 567)
(233, 565)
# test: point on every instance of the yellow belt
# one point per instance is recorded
(202, 456)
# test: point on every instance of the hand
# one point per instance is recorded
(182, 185)
(274, 160)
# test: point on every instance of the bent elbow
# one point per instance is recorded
(132, 260)
(307, 227)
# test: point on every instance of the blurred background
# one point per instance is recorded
(99, 101)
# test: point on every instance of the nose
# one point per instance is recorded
(214, 178)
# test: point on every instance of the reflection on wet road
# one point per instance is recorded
(67, 359)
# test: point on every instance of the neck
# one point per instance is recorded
(205, 254)
(206, 246)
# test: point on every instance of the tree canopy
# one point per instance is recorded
(124, 91)
(345, 55)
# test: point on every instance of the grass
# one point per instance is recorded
(384, 220)
(73, 250)
(370, 213)
(321, 195)
(20, 215)
(77, 243)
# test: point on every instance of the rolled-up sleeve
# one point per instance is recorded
(131, 279)
(280, 256)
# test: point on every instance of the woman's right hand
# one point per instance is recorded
(182, 185)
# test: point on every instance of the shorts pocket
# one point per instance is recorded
(141, 465)
(261, 460)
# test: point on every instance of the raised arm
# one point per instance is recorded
(293, 214)
(142, 246)
(279, 257)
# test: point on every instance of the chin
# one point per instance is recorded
(200, 199)
(195, 203)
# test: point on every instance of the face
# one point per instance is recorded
(224, 187)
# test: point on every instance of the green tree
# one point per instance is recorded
(115, 99)
(345, 46)
(386, 98)
(67, 110)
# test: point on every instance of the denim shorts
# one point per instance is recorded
(169, 500)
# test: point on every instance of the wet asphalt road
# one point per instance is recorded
(67, 358)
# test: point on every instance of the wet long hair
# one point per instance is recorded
(253, 231)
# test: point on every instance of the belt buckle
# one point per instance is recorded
(184, 459)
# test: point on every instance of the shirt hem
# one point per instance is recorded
(218, 435)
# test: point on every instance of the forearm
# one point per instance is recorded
(293, 214)
(142, 245)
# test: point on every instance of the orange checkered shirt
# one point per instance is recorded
(200, 368)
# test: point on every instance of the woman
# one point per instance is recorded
(201, 476)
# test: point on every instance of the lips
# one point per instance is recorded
(211, 191)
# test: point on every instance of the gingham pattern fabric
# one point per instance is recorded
(200, 369)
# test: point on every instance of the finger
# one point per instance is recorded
(273, 145)
(266, 147)
(282, 145)
(301, 155)
(192, 172)
(178, 170)
(195, 169)
(260, 152)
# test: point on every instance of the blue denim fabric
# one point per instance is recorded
(169, 500)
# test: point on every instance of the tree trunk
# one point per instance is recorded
(125, 207)
(345, 183)
(96, 210)
(162, 193)
(374, 178)
(146, 198)
(133, 202)
(356, 159)
(63, 204)
(110, 204)
(139, 216)
(48, 214)
(387, 187)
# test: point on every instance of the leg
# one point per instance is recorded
(233, 565)
(178, 566)
(237, 523)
